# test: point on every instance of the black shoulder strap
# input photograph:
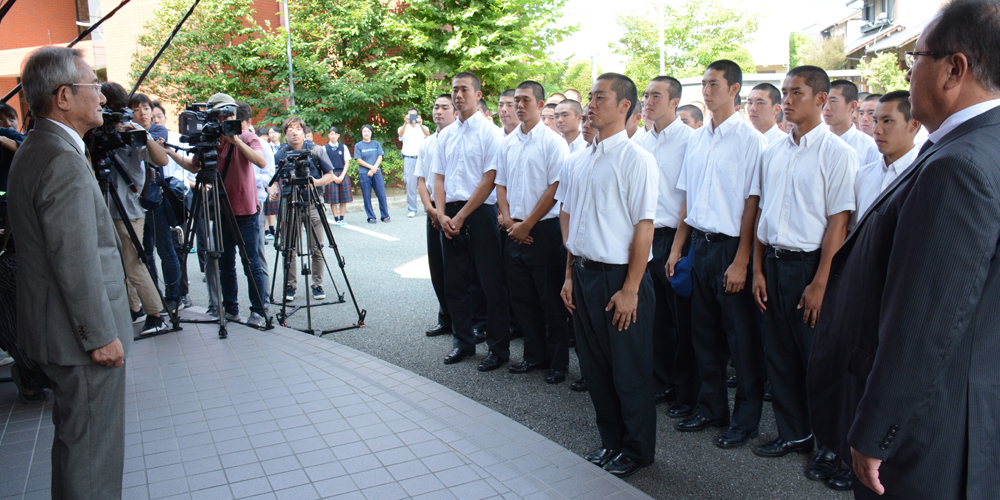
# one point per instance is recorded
(225, 165)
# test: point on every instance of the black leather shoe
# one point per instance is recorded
(556, 377)
(480, 335)
(699, 423)
(579, 385)
(779, 447)
(824, 466)
(457, 355)
(601, 456)
(768, 395)
(438, 330)
(681, 410)
(525, 367)
(491, 362)
(731, 382)
(667, 396)
(843, 481)
(733, 437)
(622, 466)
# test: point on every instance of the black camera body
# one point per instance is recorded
(200, 124)
(104, 139)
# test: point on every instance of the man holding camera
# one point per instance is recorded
(412, 134)
(71, 307)
(321, 171)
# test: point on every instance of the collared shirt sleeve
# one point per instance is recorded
(756, 144)
(436, 166)
(682, 177)
(500, 165)
(564, 193)
(491, 145)
(644, 189)
(554, 164)
(840, 182)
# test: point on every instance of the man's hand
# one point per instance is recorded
(111, 355)
(8, 143)
(760, 291)
(812, 300)
(454, 225)
(272, 192)
(866, 470)
(519, 232)
(672, 263)
(446, 225)
(371, 172)
(625, 304)
(736, 277)
(432, 215)
(338, 180)
(567, 295)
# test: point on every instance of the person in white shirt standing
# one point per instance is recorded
(895, 130)
(463, 186)
(675, 372)
(806, 188)
(763, 109)
(609, 201)
(528, 164)
(719, 167)
(840, 106)
(507, 112)
(412, 133)
(866, 114)
(568, 117)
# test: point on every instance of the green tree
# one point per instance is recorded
(578, 76)
(883, 74)
(695, 34)
(829, 54)
(798, 43)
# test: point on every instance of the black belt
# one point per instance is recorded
(594, 265)
(781, 254)
(713, 237)
(665, 230)
(455, 204)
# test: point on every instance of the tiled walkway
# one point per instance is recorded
(282, 414)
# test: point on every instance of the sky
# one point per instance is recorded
(598, 29)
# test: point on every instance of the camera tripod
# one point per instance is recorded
(299, 194)
(211, 206)
(102, 170)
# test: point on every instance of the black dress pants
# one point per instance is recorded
(724, 325)
(535, 276)
(673, 354)
(435, 262)
(788, 341)
(618, 366)
(475, 251)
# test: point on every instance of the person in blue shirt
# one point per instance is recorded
(368, 154)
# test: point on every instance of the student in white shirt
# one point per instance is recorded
(763, 109)
(528, 164)
(411, 133)
(719, 166)
(463, 186)
(609, 203)
(675, 372)
(866, 114)
(840, 106)
(568, 116)
(507, 112)
(894, 130)
(806, 188)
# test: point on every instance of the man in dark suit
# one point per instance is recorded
(72, 309)
(902, 378)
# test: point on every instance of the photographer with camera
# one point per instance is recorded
(239, 158)
(321, 171)
(129, 176)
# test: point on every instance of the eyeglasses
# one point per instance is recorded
(95, 86)
(910, 56)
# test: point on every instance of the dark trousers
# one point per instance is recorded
(788, 341)
(367, 184)
(475, 251)
(248, 229)
(618, 366)
(157, 235)
(435, 262)
(724, 325)
(673, 354)
(535, 276)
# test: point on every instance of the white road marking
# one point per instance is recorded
(365, 231)
(416, 268)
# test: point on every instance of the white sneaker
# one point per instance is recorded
(5, 359)
(256, 320)
(411, 214)
(234, 317)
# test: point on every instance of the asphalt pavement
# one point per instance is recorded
(386, 266)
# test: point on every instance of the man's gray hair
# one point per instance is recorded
(43, 71)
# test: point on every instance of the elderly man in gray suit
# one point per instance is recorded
(73, 315)
(903, 374)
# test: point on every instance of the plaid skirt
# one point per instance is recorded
(271, 207)
(335, 193)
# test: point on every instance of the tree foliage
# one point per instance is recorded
(883, 74)
(696, 33)
(798, 43)
(829, 54)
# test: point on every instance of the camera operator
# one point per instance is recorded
(321, 170)
(239, 158)
(143, 296)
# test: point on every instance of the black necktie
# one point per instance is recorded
(927, 145)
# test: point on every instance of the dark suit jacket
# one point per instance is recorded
(904, 365)
(71, 296)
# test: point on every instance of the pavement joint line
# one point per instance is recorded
(366, 231)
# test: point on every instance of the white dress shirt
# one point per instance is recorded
(875, 177)
(527, 164)
(668, 147)
(962, 116)
(801, 185)
(428, 151)
(637, 135)
(718, 171)
(610, 188)
(863, 145)
(413, 136)
(262, 176)
(466, 151)
(774, 134)
(577, 144)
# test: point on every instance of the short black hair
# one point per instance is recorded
(483, 106)
(731, 70)
(815, 77)
(558, 94)
(535, 88)
(847, 89)
(333, 129)
(115, 95)
(674, 87)
(412, 109)
(7, 111)
(902, 100)
(737, 100)
(624, 88)
(293, 120)
(139, 99)
(243, 111)
(507, 93)
(550, 105)
(873, 97)
(695, 112)
(156, 105)
(971, 27)
(475, 79)
(772, 92)
(573, 105)
(369, 127)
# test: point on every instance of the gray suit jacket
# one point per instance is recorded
(71, 295)
(905, 360)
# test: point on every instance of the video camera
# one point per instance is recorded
(104, 139)
(293, 168)
(200, 124)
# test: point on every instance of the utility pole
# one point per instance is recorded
(288, 48)
(660, 11)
